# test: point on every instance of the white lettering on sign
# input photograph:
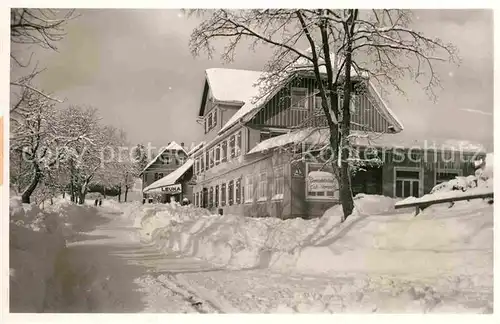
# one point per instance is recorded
(174, 189)
(319, 181)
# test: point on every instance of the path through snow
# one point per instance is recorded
(110, 270)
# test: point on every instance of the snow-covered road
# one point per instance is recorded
(110, 270)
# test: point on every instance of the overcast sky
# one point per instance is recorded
(136, 68)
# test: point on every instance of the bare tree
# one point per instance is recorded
(341, 43)
(36, 142)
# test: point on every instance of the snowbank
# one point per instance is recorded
(38, 251)
(36, 243)
(243, 242)
(442, 241)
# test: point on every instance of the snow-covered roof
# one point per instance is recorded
(232, 85)
(172, 177)
(171, 146)
(320, 136)
(196, 148)
(241, 86)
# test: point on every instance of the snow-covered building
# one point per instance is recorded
(246, 166)
(168, 174)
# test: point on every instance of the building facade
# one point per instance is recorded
(168, 161)
(250, 163)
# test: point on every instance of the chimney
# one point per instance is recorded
(182, 144)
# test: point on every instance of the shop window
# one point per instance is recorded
(320, 182)
(407, 183)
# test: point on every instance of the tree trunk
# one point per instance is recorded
(83, 192)
(126, 193)
(345, 128)
(120, 194)
(25, 197)
(104, 191)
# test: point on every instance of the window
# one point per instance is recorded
(263, 185)
(202, 163)
(238, 191)
(211, 197)
(182, 160)
(206, 126)
(238, 144)
(211, 154)
(230, 195)
(407, 183)
(223, 195)
(166, 160)
(207, 160)
(197, 165)
(156, 176)
(320, 182)
(214, 118)
(209, 117)
(217, 196)
(353, 103)
(231, 146)
(249, 188)
(224, 151)
(299, 98)
(318, 109)
(160, 175)
(217, 155)
(197, 199)
(447, 175)
(279, 182)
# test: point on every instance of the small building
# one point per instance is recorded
(175, 186)
(169, 159)
(260, 156)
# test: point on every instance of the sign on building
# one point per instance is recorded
(320, 184)
(173, 189)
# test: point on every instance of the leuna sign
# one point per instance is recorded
(319, 181)
(173, 189)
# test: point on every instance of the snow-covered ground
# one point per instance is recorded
(170, 258)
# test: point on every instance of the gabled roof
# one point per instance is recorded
(230, 86)
(241, 87)
(170, 178)
(171, 146)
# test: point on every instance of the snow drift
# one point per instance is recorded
(38, 251)
(441, 241)
(243, 242)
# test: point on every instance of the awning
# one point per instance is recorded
(170, 178)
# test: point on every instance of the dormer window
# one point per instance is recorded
(209, 121)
